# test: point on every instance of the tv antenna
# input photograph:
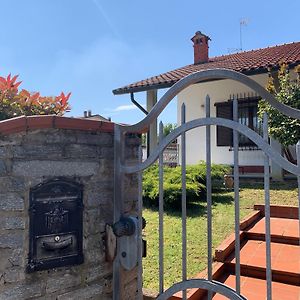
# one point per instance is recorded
(243, 22)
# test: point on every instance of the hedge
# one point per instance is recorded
(195, 182)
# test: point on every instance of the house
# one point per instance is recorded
(258, 64)
(87, 114)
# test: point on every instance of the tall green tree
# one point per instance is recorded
(282, 128)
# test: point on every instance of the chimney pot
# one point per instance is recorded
(85, 114)
(200, 41)
(89, 113)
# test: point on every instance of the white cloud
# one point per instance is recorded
(126, 107)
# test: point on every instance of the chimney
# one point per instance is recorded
(200, 41)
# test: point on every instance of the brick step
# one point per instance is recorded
(252, 288)
(284, 224)
(282, 230)
(279, 211)
(256, 289)
(285, 257)
(274, 238)
(285, 261)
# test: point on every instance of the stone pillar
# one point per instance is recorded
(34, 150)
(151, 101)
(276, 171)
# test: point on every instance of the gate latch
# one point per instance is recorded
(127, 231)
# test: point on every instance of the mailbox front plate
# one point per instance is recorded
(55, 234)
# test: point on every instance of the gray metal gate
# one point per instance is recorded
(121, 169)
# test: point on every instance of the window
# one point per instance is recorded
(247, 115)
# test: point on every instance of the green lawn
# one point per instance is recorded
(223, 225)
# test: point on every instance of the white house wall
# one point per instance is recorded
(219, 91)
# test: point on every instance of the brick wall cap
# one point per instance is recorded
(25, 123)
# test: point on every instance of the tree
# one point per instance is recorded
(15, 103)
(168, 128)
(282, 128)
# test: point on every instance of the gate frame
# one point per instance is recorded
(120, 169)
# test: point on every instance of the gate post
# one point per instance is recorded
(298, 180)
(151, 101)
(126, 194)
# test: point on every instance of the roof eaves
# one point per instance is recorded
(122, 91)
(142, 88)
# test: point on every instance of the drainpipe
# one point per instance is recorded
(140, 107)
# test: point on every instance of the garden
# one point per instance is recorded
(251, 192)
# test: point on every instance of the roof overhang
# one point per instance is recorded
(144, 88)
(122, 91)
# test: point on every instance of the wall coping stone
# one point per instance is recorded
(25, 123)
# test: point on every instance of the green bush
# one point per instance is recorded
(195, 183)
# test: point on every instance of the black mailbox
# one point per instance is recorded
(55, 234)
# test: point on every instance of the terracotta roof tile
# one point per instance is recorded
(246, 62)
(24, 123)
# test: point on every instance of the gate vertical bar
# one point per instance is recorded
(208, 196)
(161, 213)
(236, 199)
(267, 210)
(298, 179)
(183, 200)
(140, 213)
(118, 204)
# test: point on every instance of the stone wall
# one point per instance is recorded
(30, 157)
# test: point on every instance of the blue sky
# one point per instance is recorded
(90, 47)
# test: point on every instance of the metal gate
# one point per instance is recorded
(121, 169)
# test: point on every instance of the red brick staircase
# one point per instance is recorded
(285, 256)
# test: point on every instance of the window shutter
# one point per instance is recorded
(224, 134)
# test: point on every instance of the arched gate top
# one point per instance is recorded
(201, 76)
